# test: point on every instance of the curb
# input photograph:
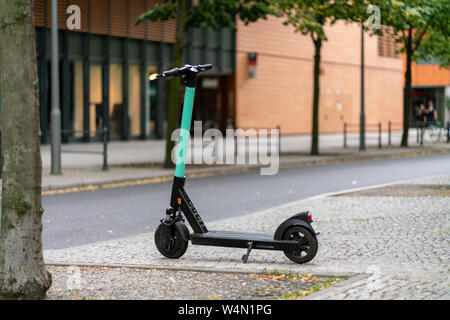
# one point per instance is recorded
(336, 288)
(191, 269)
(208, 172)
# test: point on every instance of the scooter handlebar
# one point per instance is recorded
(176, 72)
(203, 67)
(171, 73)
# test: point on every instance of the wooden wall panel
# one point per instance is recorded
(137, 7)
(154, 29)
(99, 16)
(118, 19)
(122, 18)
(39, 13)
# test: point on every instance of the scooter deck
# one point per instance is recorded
(241, 240)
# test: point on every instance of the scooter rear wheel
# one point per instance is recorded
(176, 245)
(307, 248)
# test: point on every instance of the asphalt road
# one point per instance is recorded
(91, 216)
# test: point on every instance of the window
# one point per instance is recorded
(95, 99)
(76, 112)
(115, 99)
(151, 107)
(134, 99)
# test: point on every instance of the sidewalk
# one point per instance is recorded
(141, 160)
(392, 239)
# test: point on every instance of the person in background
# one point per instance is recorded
(430, 114)
(420, 113)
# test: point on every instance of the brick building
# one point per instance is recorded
(282, 93)
(104, 68)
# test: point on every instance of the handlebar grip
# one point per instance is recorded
(205, 66)
(171, 73)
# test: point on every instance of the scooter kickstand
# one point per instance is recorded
(249, 249)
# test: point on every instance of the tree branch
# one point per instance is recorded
(419, 38)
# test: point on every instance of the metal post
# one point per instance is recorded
(279, 139)
(345, 134)
(389, 133)
(1, 163)
(362, 125)
(379, 135)
(235, 145)
(55, 115)
(448, 132)
(105, 149)
(421, 135)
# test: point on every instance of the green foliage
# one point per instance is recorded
(436, 43)
(420, 26)
(310, 16)
(212, 13)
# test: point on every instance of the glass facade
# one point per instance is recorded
(104, 81)
(116, 113)
(76, 107)
(151, 94)
(95, 99)
(134, 99)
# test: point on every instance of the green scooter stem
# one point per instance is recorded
(183, 142)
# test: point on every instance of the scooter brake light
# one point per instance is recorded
(310, 217)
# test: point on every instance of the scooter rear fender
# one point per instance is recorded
(300, 219)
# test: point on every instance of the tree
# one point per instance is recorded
(309, 17)
(22, 270)
(201, 14)
(418, 27)
(436, 44)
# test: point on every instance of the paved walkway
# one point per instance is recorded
(135, 160)
(397, 245)
(152, 151)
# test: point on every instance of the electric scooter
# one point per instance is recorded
(296, 236)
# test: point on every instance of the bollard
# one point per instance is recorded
(345, 134)
(235, 138)
(422, 130)
(379, 135)
(418, 133)
(279, 139)
(105, 149)
(389, 133)
(448, 131)
(1, 162)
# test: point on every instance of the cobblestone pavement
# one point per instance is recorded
(399, 245)
(136, 283)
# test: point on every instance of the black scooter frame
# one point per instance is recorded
(180, 204)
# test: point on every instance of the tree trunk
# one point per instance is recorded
(407, 92)
(315, 118)
(22, 270)
(174, 91)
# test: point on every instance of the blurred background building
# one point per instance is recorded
(262, 76)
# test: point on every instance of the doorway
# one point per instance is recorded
(214, 102)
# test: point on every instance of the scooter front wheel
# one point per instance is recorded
(172, 248)
(307, 247)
